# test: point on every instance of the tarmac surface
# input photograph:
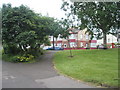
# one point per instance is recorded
(40, 74)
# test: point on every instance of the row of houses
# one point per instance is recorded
(81, 39)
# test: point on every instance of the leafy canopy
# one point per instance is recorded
(99, 17)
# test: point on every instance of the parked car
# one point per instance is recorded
(50, 48)
(45, 47)
(56, 48)
(101, 47)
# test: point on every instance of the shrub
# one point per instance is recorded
(35, 52)
(18, 58)
(14, 59)
(25, 58)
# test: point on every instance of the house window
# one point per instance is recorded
(72, 44)
(71, 36)
(86, 36)
(93, 44)
(86, 45)
(59, 45)
(81, 44)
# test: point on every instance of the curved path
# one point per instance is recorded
(36, 75)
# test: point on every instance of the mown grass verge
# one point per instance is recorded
(99, 67)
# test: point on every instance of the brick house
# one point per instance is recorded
(77, 39)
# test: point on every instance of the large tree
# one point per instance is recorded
(55, 30)
(23, 28)
(102, 17)
(66, 24)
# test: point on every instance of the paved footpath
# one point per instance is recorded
(36, 75)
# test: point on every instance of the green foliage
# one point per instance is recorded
(10, 48)
(25, 58)
(23, 28)
(65, 25)
(47, 42)
(24, 31)
(55, 28)
(18, 58)
(100, 17)
(26, 38)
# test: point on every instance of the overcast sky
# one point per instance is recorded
(52, 7)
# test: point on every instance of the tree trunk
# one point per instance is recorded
(70, 48)
(104, 40)
(53, 43)
(24, 46)
(56, 41)
(20, 47)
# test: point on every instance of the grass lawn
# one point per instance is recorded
(97, 66)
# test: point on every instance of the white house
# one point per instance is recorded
(110, 39)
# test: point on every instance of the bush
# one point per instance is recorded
(35, 52)
(24, 58)
(10, 49)
(14, 59)
(18, 58)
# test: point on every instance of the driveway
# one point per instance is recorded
(40, 74)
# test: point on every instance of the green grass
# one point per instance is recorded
(96, 66)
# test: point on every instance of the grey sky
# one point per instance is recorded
(52, 7)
